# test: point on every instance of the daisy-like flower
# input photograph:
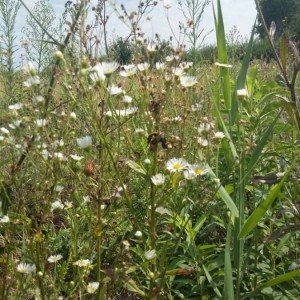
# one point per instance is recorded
(198, 169)
(126, 112)
(204, 127)
(26, 268)
(189, 174)
(109, 67)
(15, 124)
(84, 142)
(96, 73)
(92, 287)
(160, 66)
(39, 99)
(219, 135)
(149, 255)
(188, 81)
(68, 204)
(158, 179)
(76, 157)
(41, 122)
(15, 106)
(29, 69)
(83, 263)
(56, 205)
(203, 142)
(126, 99)
(59, 156)
(177, 165)
(58, 188)
(54, 258)
(73, 115)
(186, 65)
(223, 65)
(114, 90)
(128, 70)
(143, 67)
(178, 72)
(34, 80)
(4, 219)
(152, 48)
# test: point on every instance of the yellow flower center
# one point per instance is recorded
(177, 166)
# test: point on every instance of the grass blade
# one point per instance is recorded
(261, 210)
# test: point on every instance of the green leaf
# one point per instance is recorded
(131, 286)
(134, 166)
(261, 210)
(225, 196)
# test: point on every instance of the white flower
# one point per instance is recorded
(58, 188)
(204, 127)
(178, 72)
(59, 156)
(150, 254)
(15, 106)
(126, 99)
(114, 90)
(39, 99)
(73, 115)
(188, 81)
(197, 169)
(86, 263)
(56, 205)
(242, 93)
(35, 80)
(4, 219)
(76, 157)
(223, 65)
(45, 153)
(68, 204)
(219, 135)
(186, 65)
(25, 268)
(138, 234)
(147, 161)
(84, 142)
(97, 74)
(160, 66)
(177, 164)
(15, 124)
(189, 175)
(109, 67)
(92, 287)
(128, 70)
(54, 258)
(203, 142)
(152, 48)
(167, 4)
(29, 69)
(109, 113)
(126, 112)
(143, 67)
(41, 122)
(4, 130)
(158, 179)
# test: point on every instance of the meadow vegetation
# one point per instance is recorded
(145, 171)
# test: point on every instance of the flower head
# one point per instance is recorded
(4, 219)
(83, 263)
(54, 258)
(158, 179)
(150, 254)
(114, 90)
(109, 67)
(97, 74)
(188, 81)
(177, 165)
(84, 142)
(29, 69)
(128, 70)
(92, 287)
(25, 268)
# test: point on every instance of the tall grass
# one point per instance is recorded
(144, 182)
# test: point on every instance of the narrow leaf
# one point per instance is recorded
(134, 166)
(261, 210)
